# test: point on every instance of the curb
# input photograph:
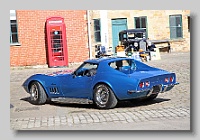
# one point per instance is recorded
(43, 66)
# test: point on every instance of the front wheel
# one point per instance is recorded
(104, 97)
(37, 94)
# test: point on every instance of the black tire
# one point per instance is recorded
(104, 97)
(37, 94)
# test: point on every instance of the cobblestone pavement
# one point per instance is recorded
(172, 105)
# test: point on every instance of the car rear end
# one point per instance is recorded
(152, 83)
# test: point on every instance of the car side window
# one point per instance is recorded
(113, 65)
(126, 66)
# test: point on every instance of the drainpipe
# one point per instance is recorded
(89, 34)
(104, 28)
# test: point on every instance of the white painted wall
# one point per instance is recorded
(104, 28)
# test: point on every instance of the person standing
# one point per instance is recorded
(150, 45)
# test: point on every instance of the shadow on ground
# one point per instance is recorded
(121, 104)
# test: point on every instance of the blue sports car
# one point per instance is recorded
(102, 82)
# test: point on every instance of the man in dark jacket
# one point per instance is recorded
(150, 45)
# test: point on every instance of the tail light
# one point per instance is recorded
(141, 84)
(166, 79)
(147, 83)
(171, 79)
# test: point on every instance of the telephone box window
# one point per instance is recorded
(56, 38)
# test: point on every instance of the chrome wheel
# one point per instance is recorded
(34, 92)
(37, 93)
(102, 95)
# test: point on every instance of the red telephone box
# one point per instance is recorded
(56, 41)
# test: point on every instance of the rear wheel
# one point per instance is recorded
(104, 97)
(37, 94)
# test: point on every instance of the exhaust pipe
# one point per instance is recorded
(155, 90)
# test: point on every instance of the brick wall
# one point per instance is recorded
(32, 39)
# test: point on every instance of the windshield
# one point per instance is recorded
(86, 69)
(132, 35)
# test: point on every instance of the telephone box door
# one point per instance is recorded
(56, 40)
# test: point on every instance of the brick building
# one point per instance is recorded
(28, 45)
(172, 25)
(28, 40)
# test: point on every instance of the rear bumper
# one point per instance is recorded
(149, 91)
(168, 87)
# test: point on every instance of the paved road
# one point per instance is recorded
(169, 111)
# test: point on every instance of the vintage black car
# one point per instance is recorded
(133, 39)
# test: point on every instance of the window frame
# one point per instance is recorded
(176, 27)
(140, 26)
(97, 33)
(81, 69)
(128, 66)
(14, 22)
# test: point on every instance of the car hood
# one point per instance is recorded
(47, 78)
(60, 73)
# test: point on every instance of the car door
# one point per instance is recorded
(79, 84)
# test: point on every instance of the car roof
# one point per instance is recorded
(106, 59)
(133, 30)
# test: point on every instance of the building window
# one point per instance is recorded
(175, 23)
(13, 28)
(97, 30)
(141, 23)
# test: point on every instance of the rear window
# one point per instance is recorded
(126, 66)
